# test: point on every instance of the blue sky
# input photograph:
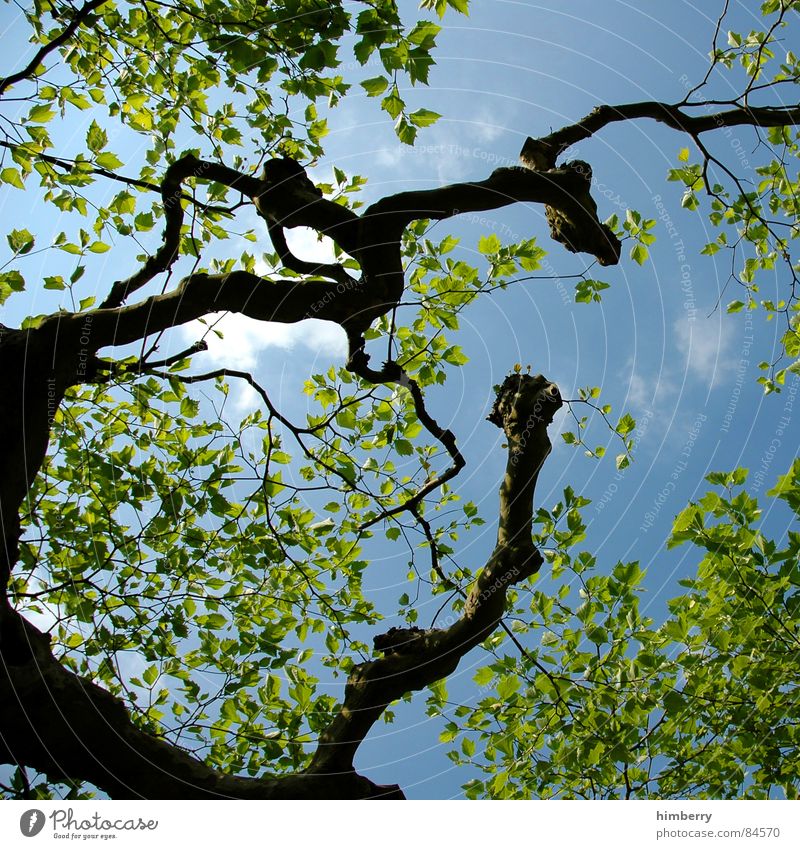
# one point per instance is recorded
(658, 345)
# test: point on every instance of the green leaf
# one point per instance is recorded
(687, 518)
(439, 691)
(587, 291)
(625, 425)
(20, 241)
(12, 177)
(483, 676)
(489, 245)
(41, 114)
(319, 56)
(403, 447)
(108, 160)
(393, 103)
(424, 117)
(375, 86)
(405, 131)
(424, 34)
(96, 137)
(507, 686)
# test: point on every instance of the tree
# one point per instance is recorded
(124, 528)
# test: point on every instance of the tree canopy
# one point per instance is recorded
(190, 601)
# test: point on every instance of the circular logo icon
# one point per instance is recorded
(31, 822)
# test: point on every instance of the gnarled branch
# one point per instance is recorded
(67, 727)
(48, 714)
(414, 659)
(46, 711)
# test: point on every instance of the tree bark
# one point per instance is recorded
(61, 724)
(66, 726)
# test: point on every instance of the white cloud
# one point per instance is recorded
(486, 128)
(305, 244)
(390, 157)
(705, 346)
(242, 338)
(322, 337)
(647, 393)
(243, 397)
(640, 392)
(245, 338)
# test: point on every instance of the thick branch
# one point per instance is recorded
(31, 391)
(165, 256)
(38, 365)
(69, 728)
(503, 187)
(564, 189)
(332, 270)
(523, 408)
(288, 198)
(241, 291)
(414, 658)
(318, 213)
(48, 714)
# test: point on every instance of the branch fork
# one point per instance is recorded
(414, 658)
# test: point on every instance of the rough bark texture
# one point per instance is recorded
(56, 722)
(40, 364)
(61, 724)
(413, 659)
(69, 728)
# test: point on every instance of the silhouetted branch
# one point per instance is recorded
(64, 36)
(414, 658)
